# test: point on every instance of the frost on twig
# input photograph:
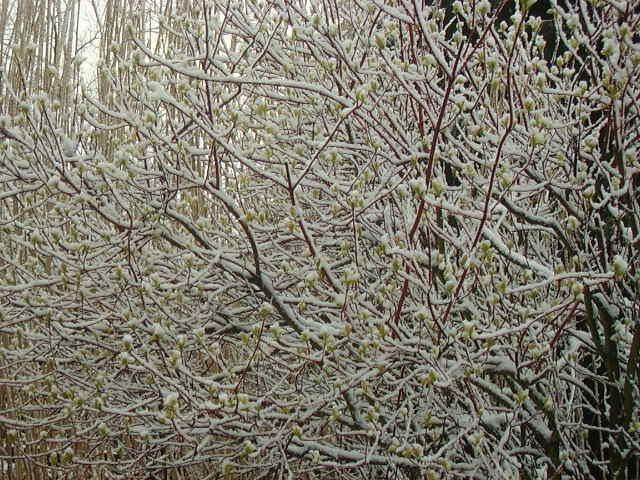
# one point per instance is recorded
(302, 239)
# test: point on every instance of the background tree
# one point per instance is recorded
(384, 239)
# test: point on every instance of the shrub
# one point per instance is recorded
(381, 239)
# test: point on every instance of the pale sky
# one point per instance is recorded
(88, 28)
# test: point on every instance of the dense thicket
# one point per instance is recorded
(333, 240)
